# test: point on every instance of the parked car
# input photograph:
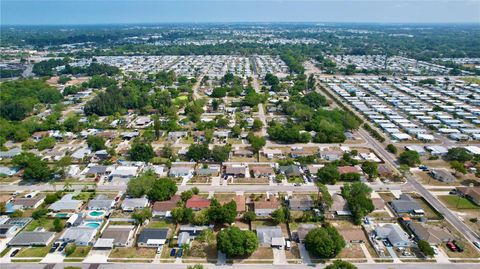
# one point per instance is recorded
(54, 247)
(458, 246)
(62, 246)
(179, 253)
(451, 246)
(477, 244)
(173, 252)
(14, 252)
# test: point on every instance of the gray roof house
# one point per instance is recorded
(395, 235)
(131, 204)
(10, 153)
(406, 204)
(152, 237)
(67, 203)
(82, 236)
(181, 171)
(433, 235)
(442, 175)
(32, 239)
(193, 230)
(291, 170)
(121, 234)
(101, 202)
(301, 203)
(270, 236)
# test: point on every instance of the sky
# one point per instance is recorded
(45, 12)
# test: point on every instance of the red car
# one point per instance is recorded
(451, 246)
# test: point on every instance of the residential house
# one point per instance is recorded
(66, 203)
(242, 152)
(472, 193)
(395, 235)
(302, 231)
(301, 203)
(270, 236)
(122, 235)
(197, 203)
(349, 169)
(101, 202)
(442, 175)
(331, 155)
(291, 170)
(132, 204)
(181, 171)
(8, 154)
(236, 170)
(164, 208)
(7, 230)
(384, 171)
(211, 170)
(24, 239)
(27, 203)
(152, 237)
(406, 204)
(192, 230)
(262, 171)
(272, 153)
(433, 235)
(82, 236)
(159, 170)
(266, 207)
(340, 206)
(239, 201)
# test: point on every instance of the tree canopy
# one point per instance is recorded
(236, 243)
(324, 242)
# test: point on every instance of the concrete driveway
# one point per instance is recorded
(304, 254)
(279, 256)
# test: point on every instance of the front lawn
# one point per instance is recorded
(33, 252)
(133, 253)
(80, 252)
(457, 202)
(45, 223)
(160, 224)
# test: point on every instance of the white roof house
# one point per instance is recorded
(473, 150)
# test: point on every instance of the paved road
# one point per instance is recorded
(256, 266)
(429, 197)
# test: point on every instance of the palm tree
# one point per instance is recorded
(67, 186)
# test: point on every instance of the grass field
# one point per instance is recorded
(456, 202)
(133, 253)
(160, 224)
(33, 252)
(80, 252)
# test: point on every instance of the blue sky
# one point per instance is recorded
(162, 11)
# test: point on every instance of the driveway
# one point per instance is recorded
(279, 256)
(304, 254)
(97, 256)
(55, 257)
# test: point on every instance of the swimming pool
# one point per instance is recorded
(96, 214)
(92, 224)
(62, 215)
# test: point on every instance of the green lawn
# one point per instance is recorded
(42, 222)
(80, 252)
(160, 224)
(456, 202)
(5, 251)
(296, 180)
(33, 252)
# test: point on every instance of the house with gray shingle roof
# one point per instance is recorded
(32, 239)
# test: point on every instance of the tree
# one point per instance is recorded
(70, 249)
(142, 184)
(328, 174)
(236, 243)
(17, 214)
(198, 152)
(185, 195)
(358, 198)
(46, 143)
(314, 100)
(458, 167)
(142, 215)
(195, 190)
(371, 169)
(34, 168)
(39, 213)
(325, 198)
(95, 142)
(425, 248)
(257, 125)
(350, 177)
(162, 190)
(257, 142)
(182, 215)
(57, 225)
(220, 214)
(339, 264)
(141, 152)
(324, 242)
(3, 207)
(392, 149)
(279, 216)
(221, 153)
(410, 158)
(458, 154)
(157, 126)
(249, 216)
